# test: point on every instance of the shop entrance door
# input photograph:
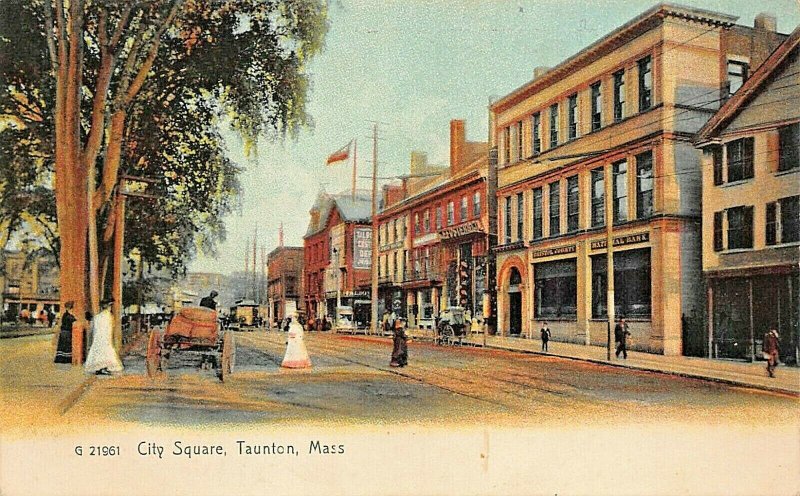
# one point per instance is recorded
(515, 313)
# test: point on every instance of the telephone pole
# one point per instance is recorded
(609, 193)
(373, 324)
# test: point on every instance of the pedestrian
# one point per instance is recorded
(64, 348)
(400, 345)
(102, 358)
(771, 350)
(545, 332)
(208, 301)
(42, 318)
(286, 323)
(25, 315)
(51, 317)
(621, 338)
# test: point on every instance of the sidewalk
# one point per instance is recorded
(754, 375)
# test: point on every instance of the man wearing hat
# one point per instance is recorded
(771, 351)
(208, 301)
(102, 357)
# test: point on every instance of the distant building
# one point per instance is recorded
(284, 285)
(751, 211)
(29, 283)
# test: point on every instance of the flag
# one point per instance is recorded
(339, 155)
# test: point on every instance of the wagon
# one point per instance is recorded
(192, 338)
(451, 327)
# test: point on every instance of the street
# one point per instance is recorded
(351, 383)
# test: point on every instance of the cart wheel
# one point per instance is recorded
(153, 357)
(228, 356)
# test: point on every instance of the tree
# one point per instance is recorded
(95, 61)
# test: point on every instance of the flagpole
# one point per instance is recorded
(355, 160)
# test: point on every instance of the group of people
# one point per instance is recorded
(44, 317)
(102, 358)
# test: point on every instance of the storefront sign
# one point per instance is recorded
(362, 247)
(359, 293)
(392, 246)
(629, 239)
(462, 230)
(549, 252)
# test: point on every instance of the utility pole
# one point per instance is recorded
(246, 266)
(609, 204)
(255, 242)
(355, 162)
(373, 324)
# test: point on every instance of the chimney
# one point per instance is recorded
(419, 162)
(540, 71)
(457, 144)
(766, 21)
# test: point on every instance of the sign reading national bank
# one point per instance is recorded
(629, 239)
(462, 230)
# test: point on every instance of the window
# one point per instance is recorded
(555, 286)
(740, 159)
(536, 134)
(537, 213)
(553, 125)
(597, 107)
(740, 227)
(718, 243)
(507, 145)
(438, 217)
(644, 185)
(426, 220)
(464, 209)
(783, 221)
(520, 216)
(789, 147)
(404, 222)
(645, 83)
(520, 155)
(573, 117)
(555, 209)
(716, 159)
(476, 204)
(619, 96)
(394, 230)
(507, 221)
(573, 203)
(416, 223)
(620, 190)
(631, 284)
(737, 75)
(451, 214)
(598, 198)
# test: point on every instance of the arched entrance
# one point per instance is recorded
(514, 302)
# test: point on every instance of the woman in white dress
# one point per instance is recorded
(102, 357)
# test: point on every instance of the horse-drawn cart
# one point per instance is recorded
(194, 338)
(452, 326)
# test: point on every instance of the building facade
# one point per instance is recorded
(28, 283)
(601, 146)
(284, 282)
(751, 212)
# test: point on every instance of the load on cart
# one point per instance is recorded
(192, 338)
(451, 327)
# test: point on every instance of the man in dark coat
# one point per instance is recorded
(209, 302)
(400, 342)
(545, 331)
(621, 338)
(64, 349)
(771, 350)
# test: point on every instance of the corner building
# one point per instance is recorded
(623, 112)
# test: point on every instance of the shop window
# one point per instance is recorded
(631, 284)
(644, 185)
(537, 214)
(740, 227)
(740, 159)
(645, 83)
(783, 221)
(620, 190)
(555, 289)
(573, 204)
(619, 95)
(572, 115)
(789, 147)
(520, 216)
(553, 125)
(536, 133)
(476, 204)
(598, 198)
(555, 209)
(597, 106)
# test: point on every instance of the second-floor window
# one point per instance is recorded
(644, 185)
(438, 217)
(507, 221)
(573, 204)
(451, 214)
(464, 209)
(537, 213)
(619, 96)
(507, 145)
(597, 106)
(645, 83)
(789, 147)
(520, 216)
(553, 125)
(536, 134)
(426, 220)
(555, 209)
(598, 198)
(783, 221)
(476, 204)
(740, 159)
(573, 117)
(740, 227)
(620, 190)
(520, 154)
(416, 224)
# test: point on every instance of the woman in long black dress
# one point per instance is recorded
(64, 349)
(400, 349)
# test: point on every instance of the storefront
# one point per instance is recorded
(465, 258)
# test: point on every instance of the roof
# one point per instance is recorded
(641, 23)
(358, 210)
(750, 89)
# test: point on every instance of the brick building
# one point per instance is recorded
(284, 283)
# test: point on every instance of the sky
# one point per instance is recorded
(412, 66)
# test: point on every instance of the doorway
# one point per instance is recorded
(514, 303)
